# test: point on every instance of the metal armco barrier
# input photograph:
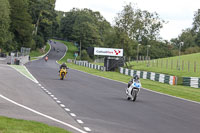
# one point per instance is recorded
(151, 76)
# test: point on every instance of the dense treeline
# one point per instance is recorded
(30, 23)
(190, 37)
(26, 23)
(132, 27)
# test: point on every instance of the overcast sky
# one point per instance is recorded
(178, 13)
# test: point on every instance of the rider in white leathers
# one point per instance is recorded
(135, 79)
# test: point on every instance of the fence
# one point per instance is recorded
(185, 65)
(150, 75)
(90, 65)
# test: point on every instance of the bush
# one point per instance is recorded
(85, 56)
(191, 50)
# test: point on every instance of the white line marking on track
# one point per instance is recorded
(80, 121)
(62, 105)
(67, 109)
(49, 93)
(40, 85)
(143, 88)
(87, 129)
(52, 95)
(72, 114)
(58, 101)
(65, 52)
(35, 80)
(55, 98)
(46, 116)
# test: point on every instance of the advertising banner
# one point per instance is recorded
(108, 51)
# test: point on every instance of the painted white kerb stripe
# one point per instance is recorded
(66, 49)
(49, 117)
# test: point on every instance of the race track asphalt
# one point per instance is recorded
(20, 89)
(102, 106)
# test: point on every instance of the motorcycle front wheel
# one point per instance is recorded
(134, 94)
(62, 76)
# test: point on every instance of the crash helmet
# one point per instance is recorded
(136, 77)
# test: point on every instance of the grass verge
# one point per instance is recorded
(70, 52)
(10, 125)
(39, 52)
(24, 71)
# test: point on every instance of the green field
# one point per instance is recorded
(171, 65)
(9, 125)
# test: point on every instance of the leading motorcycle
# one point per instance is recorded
(133, 89)
(63, 73)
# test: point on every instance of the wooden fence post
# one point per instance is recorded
(167, 64)
(188, 66)
(157, 62)
(171, 64)
(182, 65)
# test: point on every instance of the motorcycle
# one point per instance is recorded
(46, 58)
(133, 89)
(63, 73)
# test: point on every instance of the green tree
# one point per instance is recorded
(139, 25)
(43, 16)
(135, 26)
(85, 26)
(5, 34)
(196, 23)
(21, 24)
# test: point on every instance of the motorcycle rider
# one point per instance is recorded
(64, 66)
(46, 58)
(134, 79)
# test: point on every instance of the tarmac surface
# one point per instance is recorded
(102, 106)
(20, 89)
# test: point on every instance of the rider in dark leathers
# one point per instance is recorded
(63, 66)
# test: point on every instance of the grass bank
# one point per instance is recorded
(187, 66)
(70, 51)
(39, 52)
(178, 91)
(10, 125)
